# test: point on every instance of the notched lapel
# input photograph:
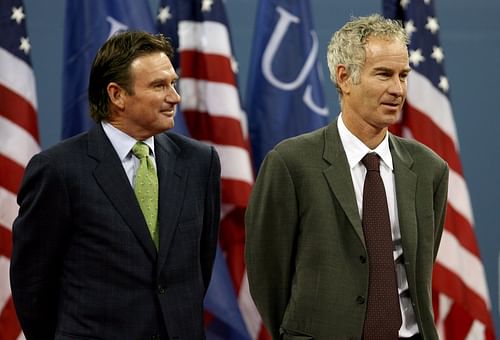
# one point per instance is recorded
(339, 178)
(406, 186)
(172, 177)
(111, 177)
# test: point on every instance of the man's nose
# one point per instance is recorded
(173, 96)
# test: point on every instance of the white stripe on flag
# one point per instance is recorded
(476, 331)
(235, 162)
(9, 208)
(464, 264)
(428, 100)
(217, 99)
(458, 196)
(208, 37)
(248, 309)
(17, 144)
(4, 282)
(445, 304)
(18, 76)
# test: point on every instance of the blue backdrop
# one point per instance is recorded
(470, 36)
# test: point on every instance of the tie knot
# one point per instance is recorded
(140, 150)
(371, 161)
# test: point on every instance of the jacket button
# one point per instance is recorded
(360, 299)
(161, 290)
(362, 259)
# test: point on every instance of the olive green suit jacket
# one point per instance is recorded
(306, 258)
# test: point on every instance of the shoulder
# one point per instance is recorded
(188, 149)
(186, 143)
(422, 159)
(301, 145)
(417, 150)
(66, 149)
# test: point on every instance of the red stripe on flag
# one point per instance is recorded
(427, 132)
(9, 326)
(457, 330)
(235, 192)
(452, 285)
(219, 130)
(264, 334)
(457, 225)
(19, 111)
(232, 242)
(212, 67)
(5, 243)
(12, 174)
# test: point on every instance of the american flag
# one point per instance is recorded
(211, 108)
(460, 294)
(19, 140)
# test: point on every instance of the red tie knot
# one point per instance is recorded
(371, 161)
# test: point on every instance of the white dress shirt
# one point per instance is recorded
(123, 144)
(355, 150)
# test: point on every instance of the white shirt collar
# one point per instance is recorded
(355, 149)
(123, 143)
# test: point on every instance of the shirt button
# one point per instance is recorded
(161, 289)
(362, 259)
(360, 299)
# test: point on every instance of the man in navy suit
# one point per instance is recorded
(84, 264)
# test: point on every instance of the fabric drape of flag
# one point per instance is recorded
(212, 112)
(284, 93)
(88, 24)
(461, 302)
(19, 140)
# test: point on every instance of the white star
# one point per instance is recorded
(437, 54)
(17, 14)
(115, 26)
(25, 45)
(416, 57)
(410, 28)
(443, 84)
(404, 3)
(206, 5)
(164, 14)
(432, 25)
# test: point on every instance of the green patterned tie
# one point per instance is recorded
(146, 189)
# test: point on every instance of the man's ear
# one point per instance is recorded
(343, 80)
(116, 95)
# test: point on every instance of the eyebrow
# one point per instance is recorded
(387, 69)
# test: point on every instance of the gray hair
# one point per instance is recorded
(347, 45)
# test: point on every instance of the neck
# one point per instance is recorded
(370, 135)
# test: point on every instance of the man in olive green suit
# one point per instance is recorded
(306, 251)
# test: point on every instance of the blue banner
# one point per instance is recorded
(89, 23)
(284, 92)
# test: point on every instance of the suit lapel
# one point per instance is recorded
(112, 179)
(406, 185)
(172, 177)
(339, 178)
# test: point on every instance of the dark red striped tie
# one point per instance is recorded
(383, 315)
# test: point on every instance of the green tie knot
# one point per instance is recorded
(140, 150)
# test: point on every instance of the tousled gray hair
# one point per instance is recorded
(347, 45)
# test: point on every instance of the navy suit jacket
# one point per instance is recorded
(84, 265)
